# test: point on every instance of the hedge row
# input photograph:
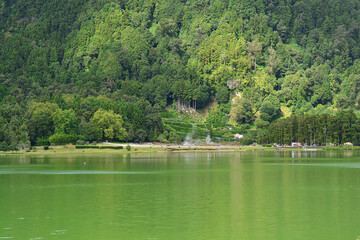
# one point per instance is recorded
(97, 147)
(86, 146)
(111, 147)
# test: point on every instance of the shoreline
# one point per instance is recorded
(60, 150)
(151, 148)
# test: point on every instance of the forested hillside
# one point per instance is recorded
(108, 70)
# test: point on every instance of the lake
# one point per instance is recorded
(212, 195)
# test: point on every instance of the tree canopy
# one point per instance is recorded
(63, 61)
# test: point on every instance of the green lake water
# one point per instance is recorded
(215, 195)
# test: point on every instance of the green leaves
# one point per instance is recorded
(114, 55)
(65, 121)
(320, 129)
(223, 57)
(166, 27)
(242, 112)
(270, 109)
(40, 123)
(111, 124)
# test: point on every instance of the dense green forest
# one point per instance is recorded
(319, 129)
(114, 69)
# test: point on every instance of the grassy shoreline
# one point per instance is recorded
(142, 149)
(167, 148)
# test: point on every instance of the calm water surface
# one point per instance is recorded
(246, 196)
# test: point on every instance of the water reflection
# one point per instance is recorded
(216, 195)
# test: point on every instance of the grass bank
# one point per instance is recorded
(134, 149)
(146, 148)
(342, 148)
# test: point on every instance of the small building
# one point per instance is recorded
(348, 144)
(296, 144)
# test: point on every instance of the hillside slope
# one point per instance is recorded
(299, 54)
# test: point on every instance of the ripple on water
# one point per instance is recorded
(339, 165)
(58, 232)
(84, 185)
(6, 172)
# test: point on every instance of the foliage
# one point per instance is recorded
(110, 123)
(140, 135)
(128, 147)
(270, 109)
(242, 112)
(65, 121)
(86, 147)
(262, 124)
(322, 129)
(111, 147)
(222, 94)
(63, 61)
(42, 141)
(219, 115)
(63, 138)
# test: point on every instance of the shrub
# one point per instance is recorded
(62, 138)
(80, 142)
(222, 95)
(46, 147)
(42, 141)
(247, 141)
(174, 137)
(86, 147)
(111, 147)
(261, 124)
(128, 147)
(97, 147)
(140, 135)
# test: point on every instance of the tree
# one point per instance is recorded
(140, 135)
(166, 27)
(270, 109)
(272, 60)
(90, 131)
(222, 94)
(40, 123)
(201, 96)
(65, 121)
(254, 49)
(111, 125)
(242, 112)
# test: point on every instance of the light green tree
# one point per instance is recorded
(242, 112)
(254, 49)
(111, 124)
(65, 121)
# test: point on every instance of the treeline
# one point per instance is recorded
(319, 129)
(71, 119)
